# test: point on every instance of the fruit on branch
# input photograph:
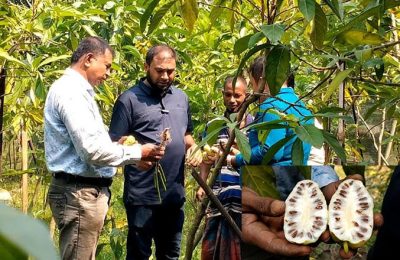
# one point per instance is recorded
(306, 213)
(351, 214)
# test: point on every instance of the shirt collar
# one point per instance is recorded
(83, 82)
(152, 91)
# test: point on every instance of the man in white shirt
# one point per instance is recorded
(79, 150)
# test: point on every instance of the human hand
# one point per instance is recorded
(144, 165)
(262, 225)
(212, 155)
(122, 139)
(194, 156)
(152, 152)
(200, 194)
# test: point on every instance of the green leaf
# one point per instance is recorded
(336, 110)
(146, 15)
(248, 55)
(241, 44)
(40, 91)
(47, 23)
(307, 8)
(388, 4)
(373, 108)
(209, 137)
(132, 50)
(89, 30)
(26, 233)
(273, 32)
(217, 123)
(358, 19)
(5, 55)
(298, 153)
(267, 125)
(53, 59)
(261, 179)
(357, 37)
(363, 55)
(319, 27)
(189, 9)
(390, 111)
(277, 68)
(243, 144)
(336, 6)
(216, 10)
(331, 140)
(379, 70)
(156, 19)
(275, 148)
(335, 83)
(255, 38)
(310, 134)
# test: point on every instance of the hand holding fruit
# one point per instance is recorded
(262, 225)
(211, 154)
(194, 156)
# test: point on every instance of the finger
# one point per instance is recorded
(274, 223)
(358, 177)
(122, 139)
(325, 236)
(267, 206)
(259, 235)
(378, 220)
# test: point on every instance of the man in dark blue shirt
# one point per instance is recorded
(144, 111)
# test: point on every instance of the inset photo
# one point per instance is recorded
(317, 212)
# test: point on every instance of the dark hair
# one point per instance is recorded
(229, 79)
(153, 51)
(290, 80)
(256, 69)
(92, 44)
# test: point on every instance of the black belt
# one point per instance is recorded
(70, 178)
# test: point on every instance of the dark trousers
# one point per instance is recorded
(159, 222)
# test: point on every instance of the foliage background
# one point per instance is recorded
(330, 42)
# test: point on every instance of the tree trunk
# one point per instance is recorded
(24, 186)
(2, 93)
(341, 126)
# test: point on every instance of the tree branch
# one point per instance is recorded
(375, 82)
(233, 10)
(312, 65)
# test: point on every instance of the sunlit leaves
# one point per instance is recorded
(308, 133)
(146, 15)
(243, 144)
(273, 32)
(307, 8)
(277, 68)
(190, 12)
(357, 37)
(319, 27)
(334, 85)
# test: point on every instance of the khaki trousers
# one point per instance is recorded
(79, 211)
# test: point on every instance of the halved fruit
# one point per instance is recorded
(306, 213)
(351, 214)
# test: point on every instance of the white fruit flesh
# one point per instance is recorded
(306, 213)
(351, 213)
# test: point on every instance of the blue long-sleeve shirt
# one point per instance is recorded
(286, 102)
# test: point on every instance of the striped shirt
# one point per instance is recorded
(227, 185)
